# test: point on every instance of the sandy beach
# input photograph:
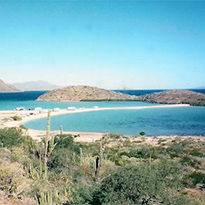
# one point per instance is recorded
(29, 115)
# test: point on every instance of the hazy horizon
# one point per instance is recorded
(107, 44)
(60, 86)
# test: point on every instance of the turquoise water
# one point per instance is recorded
(11, 105)
(171, 121)
(181, 121)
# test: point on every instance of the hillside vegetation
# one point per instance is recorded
(175, 97)
(83, 93)
(114, 170)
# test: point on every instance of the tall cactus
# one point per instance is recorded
(81, 153)
(100, 152)
(74, 156)
(61, 130)
(46, 144)
(98, 161)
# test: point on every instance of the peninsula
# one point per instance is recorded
(175, 97)
(84, 93)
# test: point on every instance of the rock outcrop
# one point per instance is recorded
(84, 93)
(175, 97)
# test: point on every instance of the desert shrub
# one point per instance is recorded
(5, 154)
(23, 127)
(16, 118)
(142, 152)
(61, 158)
(10, 137)
(175, 148)
(187, 160)
(197, 177)
(142, 133)
(142, 184)
(83, 194)
(18, 155)
(12, 179)
(91, 149)
(197, 152)
(67, 142)
(125, 153)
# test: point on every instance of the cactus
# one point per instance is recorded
(51, 145)
(100, 153)
(44, 199)
(74, 156)
(46, 144)
(40, 169)
(99, 159)
(92, 166)
(61, 130)
(81, 153)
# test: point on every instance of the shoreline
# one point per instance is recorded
(30, 115)
(27, 116)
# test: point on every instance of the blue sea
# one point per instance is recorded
(172, 121)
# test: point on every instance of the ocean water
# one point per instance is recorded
(166, 121)
(181, 121)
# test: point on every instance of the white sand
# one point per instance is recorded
(88, 137)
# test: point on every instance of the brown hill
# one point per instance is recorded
(175, 97)
(84, 93)
(7, 88)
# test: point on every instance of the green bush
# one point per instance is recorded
(143, 184)
(66, 141)
(11, 137)
(16, 118)
(187, 160)
(197, 177)
(142, 133)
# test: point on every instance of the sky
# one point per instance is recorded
(109, 44)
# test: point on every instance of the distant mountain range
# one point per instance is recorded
(35, 86)
(7, 88)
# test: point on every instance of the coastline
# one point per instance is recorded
(28, 115)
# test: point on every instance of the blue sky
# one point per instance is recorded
(109, 44)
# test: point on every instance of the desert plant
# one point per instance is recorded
(142, 185)
(16, 118)
(46, 145)
(61, 130)
(142, 133)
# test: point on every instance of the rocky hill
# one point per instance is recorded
(35, 86)
(7, 88)
(84, 93)
(175, 97)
